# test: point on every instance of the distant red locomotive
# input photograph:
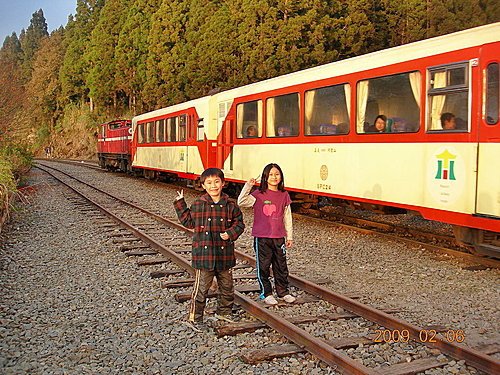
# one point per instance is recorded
(113, 144)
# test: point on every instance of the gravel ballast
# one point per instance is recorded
(71, 302)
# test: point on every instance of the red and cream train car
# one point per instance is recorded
(316, 124)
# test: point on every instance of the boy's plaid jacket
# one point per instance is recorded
(209, 220)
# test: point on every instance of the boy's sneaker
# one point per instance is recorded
(270, 300)
(289, 298)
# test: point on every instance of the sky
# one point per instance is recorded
(16, 14)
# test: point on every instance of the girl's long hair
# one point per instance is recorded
(265, 177)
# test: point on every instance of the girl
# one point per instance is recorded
(272, 229)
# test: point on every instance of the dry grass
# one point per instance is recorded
(7, 189)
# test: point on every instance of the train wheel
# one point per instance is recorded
(477, 241)
(150, 175)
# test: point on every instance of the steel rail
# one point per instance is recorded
(323, 351)
(488, 262)
(473, 357)
(300, 337)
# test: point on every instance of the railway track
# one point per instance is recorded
(431, 241)
(439, 243)
(172, 246)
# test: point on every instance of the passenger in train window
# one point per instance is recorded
(284, 131)
(217, 223)
(272, 231)
(252, 132)
(448, 121)
(399, 125)
(379, 125)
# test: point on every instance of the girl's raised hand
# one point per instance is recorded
(253, 181)
(180, 195)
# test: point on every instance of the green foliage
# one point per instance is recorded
(132, 52)
(15, 161)
(77, 41)
(37, 30)
(101, 76)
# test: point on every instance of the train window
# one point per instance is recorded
(492, 94)
(395, 99)
(160, 130)
(448, 97)
(249, 119)
(282, 116)
(327, 110)
(115, 125)
(150, 132)
(172, 129)
(140, 133)
(182, 128)
(201, 130)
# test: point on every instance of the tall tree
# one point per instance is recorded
(44, 89)
(30, 43)
(11, 49)
(167, 54)
(12, 93)
(444, 15)
(77, 36)
(132, 51)
(101, 54)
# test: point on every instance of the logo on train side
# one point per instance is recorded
(323, 172)
(447, 176)
(445, 166)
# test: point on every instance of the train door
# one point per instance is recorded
(488, 178)
(191, 150)
(184, 138)
(225, 147)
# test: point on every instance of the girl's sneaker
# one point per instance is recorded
(289, 298)
(270, 300)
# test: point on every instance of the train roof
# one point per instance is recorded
(174, 108)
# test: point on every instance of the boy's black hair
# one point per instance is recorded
(265, 177)
(209, 172)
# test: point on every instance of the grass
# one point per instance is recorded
(15, 161)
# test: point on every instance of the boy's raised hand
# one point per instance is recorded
(180, 194)
(224, 236)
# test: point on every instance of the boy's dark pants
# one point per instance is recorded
(202, 282)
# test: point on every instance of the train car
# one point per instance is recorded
(113, 145)
(176, 141)
(437, 154)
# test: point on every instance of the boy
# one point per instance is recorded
(217, 223)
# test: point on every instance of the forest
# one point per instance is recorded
(118, 58)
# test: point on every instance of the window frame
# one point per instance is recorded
(448, 89)
(486, 93)
(267, 126)
(419, 105)
(260, 123)
(348, 109)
